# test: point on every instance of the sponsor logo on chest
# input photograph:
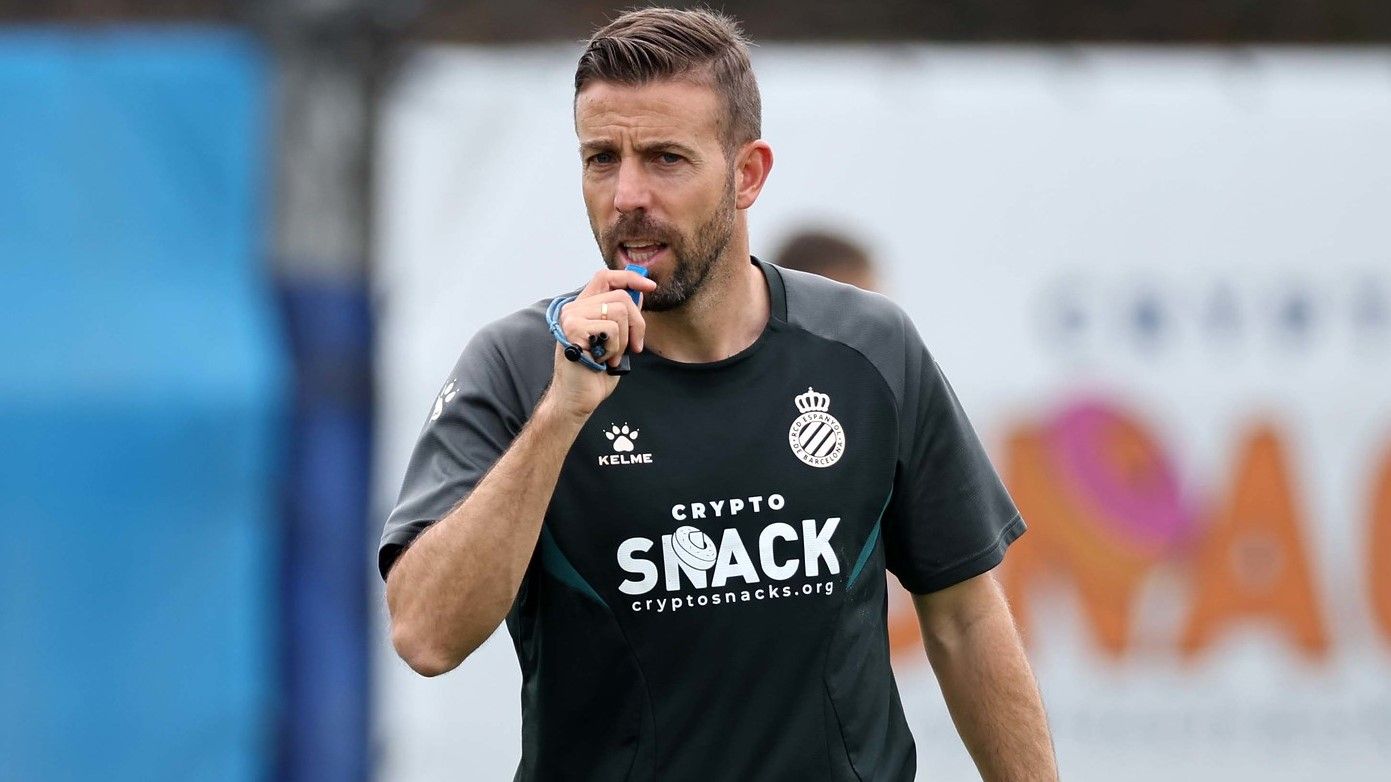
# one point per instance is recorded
(692, 559)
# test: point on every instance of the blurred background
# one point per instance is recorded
(242, 243)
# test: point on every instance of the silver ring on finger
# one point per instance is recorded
(604, 310)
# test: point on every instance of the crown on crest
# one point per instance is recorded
(813, 401)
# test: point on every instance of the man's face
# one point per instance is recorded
(657, 185)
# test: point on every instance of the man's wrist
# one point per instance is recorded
(552, 414)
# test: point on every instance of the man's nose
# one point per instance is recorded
(633, 192)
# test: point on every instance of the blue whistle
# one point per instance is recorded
(624, 367)
(640, 271)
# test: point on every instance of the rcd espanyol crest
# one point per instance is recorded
(816, 436)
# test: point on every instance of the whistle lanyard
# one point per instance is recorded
(572, 351)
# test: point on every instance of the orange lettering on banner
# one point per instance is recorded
(1065, 536)
(1252, 562)
(1379, 548)
(1022, 567)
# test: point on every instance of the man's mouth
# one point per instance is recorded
(640, 252)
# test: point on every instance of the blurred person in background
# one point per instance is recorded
(831, 255)
(693, 590)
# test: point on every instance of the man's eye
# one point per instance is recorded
(669, 158)
(600, 159)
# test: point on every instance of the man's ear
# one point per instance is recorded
(751, 167)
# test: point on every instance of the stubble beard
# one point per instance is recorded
(694, 255)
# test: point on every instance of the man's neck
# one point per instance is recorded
(725, 317)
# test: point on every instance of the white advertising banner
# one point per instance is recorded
(1160, 281)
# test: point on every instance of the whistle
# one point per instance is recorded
(624, 366)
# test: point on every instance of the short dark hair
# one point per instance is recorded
(647, 44)
(823, 253)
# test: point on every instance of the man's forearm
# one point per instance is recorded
(993, 698)
(454, 585)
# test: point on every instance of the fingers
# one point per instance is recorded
(610, 280)
(604, 306)
(622, 308)
(612, 313)
(614, 333)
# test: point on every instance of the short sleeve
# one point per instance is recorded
(950, 517)
(472, 422)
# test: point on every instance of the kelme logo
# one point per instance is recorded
(623, 442)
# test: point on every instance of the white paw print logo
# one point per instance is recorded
(446, 396)
(621, 437)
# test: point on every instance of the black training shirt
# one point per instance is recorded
(707, 597)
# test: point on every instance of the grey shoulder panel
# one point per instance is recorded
(486, 401)
(950, 518)
(867, 322)
(522, 349)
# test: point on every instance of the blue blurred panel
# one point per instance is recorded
(141, 397)
(324, 598)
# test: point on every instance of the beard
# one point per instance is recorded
(694, 255)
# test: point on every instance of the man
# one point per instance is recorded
(690, 558)
(829, 255)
